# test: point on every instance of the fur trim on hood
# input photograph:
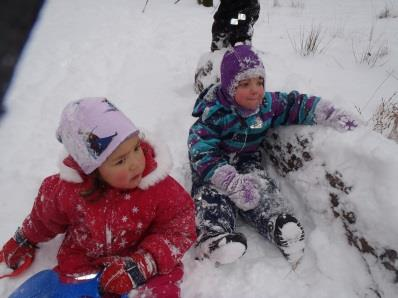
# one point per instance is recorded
(164, 164)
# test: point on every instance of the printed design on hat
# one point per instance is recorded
(247, 62)
(112, 108)
(95, 144)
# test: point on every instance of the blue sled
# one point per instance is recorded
(46, 284)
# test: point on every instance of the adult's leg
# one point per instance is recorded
(243, 30)
(233, 22)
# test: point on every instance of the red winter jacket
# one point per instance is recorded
(157, 216)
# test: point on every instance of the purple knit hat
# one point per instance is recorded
(239, 63)
(91, 129)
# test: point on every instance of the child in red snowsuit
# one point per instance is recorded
(124, 218)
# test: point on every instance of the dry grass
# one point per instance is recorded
(292, 3)
(388, 11)
(385, 119)
(309, 42)
(374, 52)
(297, 4)
(276, 3)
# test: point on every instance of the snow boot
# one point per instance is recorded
(288, 234)
(222, 249)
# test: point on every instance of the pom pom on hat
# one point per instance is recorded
(91, 129)
(239, 63)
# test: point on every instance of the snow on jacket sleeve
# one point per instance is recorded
(292, 108)
(173, 232)
(46, 220)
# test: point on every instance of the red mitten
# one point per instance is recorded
(18, 252)
(122, 274)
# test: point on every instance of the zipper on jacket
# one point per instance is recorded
(108, 231)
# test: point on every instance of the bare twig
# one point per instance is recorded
(358, 109)
(395, 77)
(337, 62)
(146, 3)
(378, 87)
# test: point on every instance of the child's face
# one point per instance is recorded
(249, 93)
(124, 167)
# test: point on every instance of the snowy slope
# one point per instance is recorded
(145, 62)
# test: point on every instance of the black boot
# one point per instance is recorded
(223, 248)
(288, 234)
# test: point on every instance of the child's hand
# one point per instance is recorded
(345, 122)
(242, 189)
(18, 252)
(118, 276)
(243, 192)
(339, 119)
(123, 274)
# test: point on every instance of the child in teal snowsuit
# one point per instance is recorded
(225, 157)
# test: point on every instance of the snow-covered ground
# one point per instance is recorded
(145, 63)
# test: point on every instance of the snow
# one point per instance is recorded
(145, 63)
(4, 269)
(226, 253)
(291, 233)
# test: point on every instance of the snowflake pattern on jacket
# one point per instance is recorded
(157, 216)
(221, 132)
